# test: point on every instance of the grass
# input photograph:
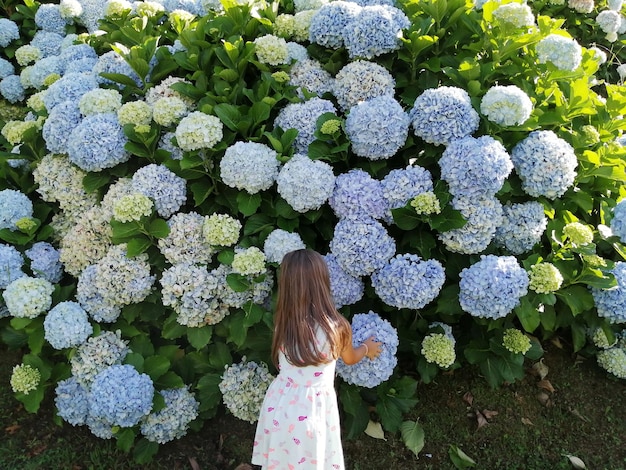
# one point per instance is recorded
(577, 410)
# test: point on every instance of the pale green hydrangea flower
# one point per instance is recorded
(35, 101)
(600, 340)
(26, 224)
(613, 361)
(70, 9)
(590, 133)
(280, 76)
(142, 129)
(181, 16)
(27, 54)
(284, 25)
(438, 348)
(13, 131)
(116, 8)
(579, 234)
(24, 379)
(100, 100)
(221, 230)
(199, 131)
(169, 110)
(135, 112)
(149, 9)
(249, 261)
(301, 24)
(271, 49)
(50, 79)
(132, 207)
(545, 278)
(516, 341)
(426, 203)
(330, 127)
(516, 14)
(28, 297)
(595, 261)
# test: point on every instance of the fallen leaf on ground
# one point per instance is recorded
(544, 399)
(481, 419)
(540, 369)
(546, 385)
(576, 413)
(38, 450)
(194, 463)
(375, 430)
(468, 398)
(557, 342)
(489, 413)
(577, 463)
(527, 422)
(12, 429)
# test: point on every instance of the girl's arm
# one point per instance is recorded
(351, 355)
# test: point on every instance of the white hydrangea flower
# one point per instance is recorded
(27, 54)
(169, 110)
(100, 100)
(280, 242)
(132, 207)
(517, 14)
(198, 131)
(609, 21)
(271, 49)
(135, 112)
(506, 105)
(304, 183)
(581, 6)
(564, 53)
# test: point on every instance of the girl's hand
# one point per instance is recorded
(374, 347)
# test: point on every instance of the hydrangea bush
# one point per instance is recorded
(159, 159)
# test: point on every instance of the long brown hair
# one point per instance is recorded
(304, 303)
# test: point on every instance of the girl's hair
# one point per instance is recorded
(305, 302)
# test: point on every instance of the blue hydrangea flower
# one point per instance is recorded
(9, 32)
(11, 262)
(6, 68)
(407, 281)
(44, 262)
(250, 166)
(361, 80)
(50, 65)
(361, 246)
(522, 226)
(296, 52)
(280, 242)
(377, 128)
(11, 89)
(97, 143)
(60, 123)
(302, 117)
(357, 194)
(96, 354)
(70, 87)
(304, 183)
(243, 388)
(186, 241)
(99, 427)
(48, 18)
(483, 215)
(611, 303)
(71, 401)
(545, 163)
(100, 308)
(195, 7)
(112, 62)
(47, 42)
(473, 166)
(121, 396)
(402, 185)
(309, 74)
(92, 12)
(75, 53)
(172, 421)
(14, 205)
(618, 222)
(492, 287)
(66, 325)
(329, 23)
(371, 372)
(164, 187)
(441, 115)
(85, 65)
(346, 288)
(375, 30)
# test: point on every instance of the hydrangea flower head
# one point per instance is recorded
(27, 54)
(401, 185)
(25, 379)
(169, 110)
(280, 242)
(613, 360)
(522, 226)
(9, 31)
(221, 230)
(301, 23)
(271, 49)
(346, 288)
(28, 297)
(100, 100)
(70, 87)
(303, 118)
(361, 80)
(61, 121)
(328, 25)
(251, 166)
(198, 131)
(438, 348)
(578, 233)
(121, 396)
(70, 9)
(562, 52)
(581, 6)
(134, 112)
(516, 14)
(618, 222)
(545, 278)
(132, 207)
(377, 128)
(357, 194)
(506, 105)
(44, 262)
(11, 262)
(6, 68)
(308, 74)
(71, 401)
(248, 261)
(407, 281)
(14, 205)
(172, 421)
(371, 372)
(426, 203)
(243, 388)
(163, 186)
(66, 325)
(185, 241)
(545, 163)
(375, 30)
(492, 287)
(96, 354)
(11, 89)
(14, 131)
(112, 62)
(441, 115)
(515, 341)
(611, 303)
(304, 183)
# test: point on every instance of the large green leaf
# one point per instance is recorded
(413, 436)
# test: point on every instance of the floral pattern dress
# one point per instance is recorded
(298, 425)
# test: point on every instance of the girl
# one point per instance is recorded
(298, 425)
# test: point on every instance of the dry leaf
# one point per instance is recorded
(540, 369)
(12, 429)
(375, 430)
(194, 463)
(544, 398)
(576, 413)
(577, 463)
(38, 450)
(557, 342)
(468, 398)
(546, 385)
(482, 421)
(489, 413)
(527, 422)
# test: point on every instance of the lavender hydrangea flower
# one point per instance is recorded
(243, 388)
(44, 262)
(402, 185)
(361, 80)
(611, 303)
(506, 105)
(407, 281)
(72, 402)
(9, 32)
(121, 396)
(164, 187)
(473, 166)
(522, 226)
(11, 89)
(186, 241)
(328, 25)
(250, 166)
(48, 18)
(357, 194)
(172, 421)
(14, 205)
(304, 183)
(618, 222)
(308, 74)
(545, 163)
(280, 242)
(346, 288)
(441, 115)
(492, 287)
(375, 30)
(377, 128)
(28, 297)
(371, 372)
(70, 87)
(96, 354)
(66, 325)
(61, 121)
(361, 246)
(11, 262)
(563, 52)
(112, 62)
(303, 117)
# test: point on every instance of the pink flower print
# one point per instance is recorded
(291, 467)
(293, 402)
(256, 443)
(317, 374)
(271, 408)
(310, 434)
(335, 465)
(308, 383)
(291, 427)
(301, 418)
(275, 422)
(266, 431)
(302, 460)
(314, 461)
(296, 441)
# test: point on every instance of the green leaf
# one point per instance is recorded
(238, 330)
(528, 315)
(123, 230)
(248, 203)
(137, 245)
(94, 181)
(389, 412)
(125, 439)
(158, 228)
(577, 298)
(199, 337)
(172, 329)
(156, 366)
(209, 394)
(237, 282)
(228, 114)
(136, 360)
(413, 436)
(33, 400)
(405, 218)
(459, 458)
(145, 451)
(169, 380)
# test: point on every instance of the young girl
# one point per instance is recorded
(298, 425)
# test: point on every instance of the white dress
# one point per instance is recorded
(298, 425)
